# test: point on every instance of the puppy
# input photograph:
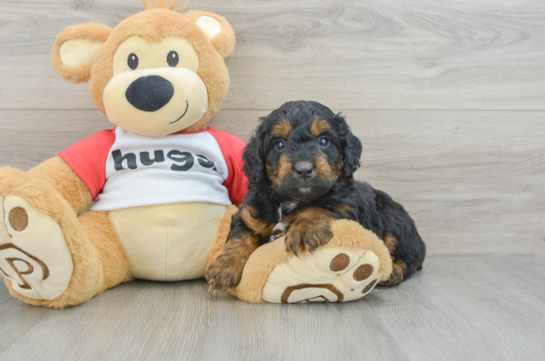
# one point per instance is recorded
(300, 165)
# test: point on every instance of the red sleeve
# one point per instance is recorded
(88, 159)
(232, 149)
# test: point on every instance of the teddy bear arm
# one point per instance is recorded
(66, 182)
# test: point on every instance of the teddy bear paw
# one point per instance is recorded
(34, 256)
(327, 275)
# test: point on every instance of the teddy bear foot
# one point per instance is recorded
(34, 257)
(345, 269)
(327, 275)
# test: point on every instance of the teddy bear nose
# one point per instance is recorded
(149, 93)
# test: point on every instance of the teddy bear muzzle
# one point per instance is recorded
(149, 93)
(155, 102)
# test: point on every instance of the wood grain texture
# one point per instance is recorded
(474, 181)
(458, 308)
(351, 54)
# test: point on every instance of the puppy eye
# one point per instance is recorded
(280, 145)
(324, 142)
(173, 59)
(132, 61)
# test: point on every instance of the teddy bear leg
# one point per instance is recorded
(101, 232)
(46, 256)
(346, 269)
(221, 237)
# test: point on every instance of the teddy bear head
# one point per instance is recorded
(156, 73)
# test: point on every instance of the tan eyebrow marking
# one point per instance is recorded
(282, 129)
(319, 126)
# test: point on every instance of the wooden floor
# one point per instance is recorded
(448, 98)
(458, 308)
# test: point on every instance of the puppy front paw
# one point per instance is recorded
(224, 273)
(309, 234)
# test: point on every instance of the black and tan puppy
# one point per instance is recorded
(300, 164)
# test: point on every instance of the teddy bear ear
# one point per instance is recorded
(74, 49)
(216, 29)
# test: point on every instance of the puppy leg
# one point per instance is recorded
(247, 229)
(397, 274)
(226, 271)
(309, 229)
(405, 263)
(401, 238)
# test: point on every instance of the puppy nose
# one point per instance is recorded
(149, 93)
(304, 169)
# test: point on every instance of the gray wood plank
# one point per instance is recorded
(458, 308)
(352, 54)
(474, 181)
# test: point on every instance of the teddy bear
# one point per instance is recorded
(153, 197)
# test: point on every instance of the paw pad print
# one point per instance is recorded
(34, 256)
(328, 275)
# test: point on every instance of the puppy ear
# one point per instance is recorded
(216, 29)
(351, 147)
(74, 49)
(254, 155)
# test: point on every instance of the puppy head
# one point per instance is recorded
(302, 148)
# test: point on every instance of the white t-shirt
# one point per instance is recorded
(125, 170)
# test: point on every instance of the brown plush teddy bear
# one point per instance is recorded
(153, 197)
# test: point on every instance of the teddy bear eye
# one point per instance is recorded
(132, 61)
(172, 59)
